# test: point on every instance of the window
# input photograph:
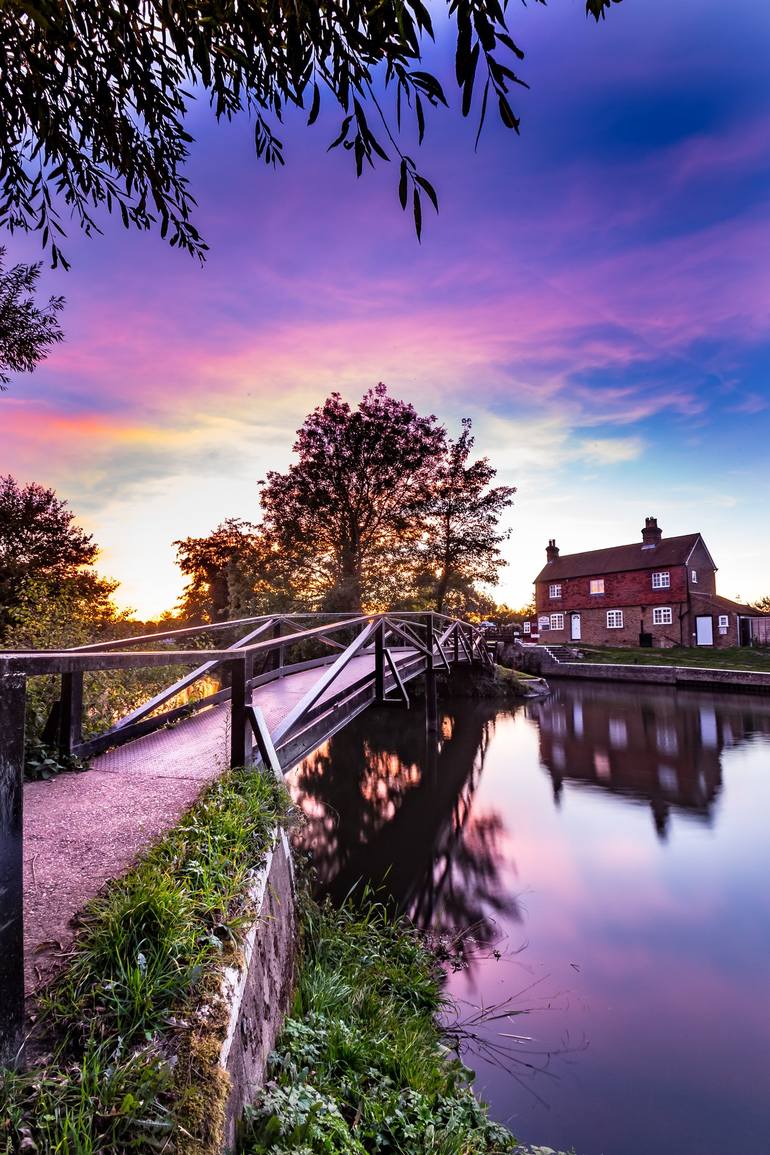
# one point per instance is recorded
(614, 619)
(724, 623)
(557, 621)
(662, 616)
(694, 576)
(527, 627)
(554, 591)
(596, 586)
(661, 581)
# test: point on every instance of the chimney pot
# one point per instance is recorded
(652, 533)
(552, 550)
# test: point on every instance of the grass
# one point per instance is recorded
(128, 1055)
(734, 658)
(361, 1065)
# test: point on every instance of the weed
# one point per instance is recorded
(361, 1065)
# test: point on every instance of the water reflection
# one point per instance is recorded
(386, 803)
(533, 826)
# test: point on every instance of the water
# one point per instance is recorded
(606, 850)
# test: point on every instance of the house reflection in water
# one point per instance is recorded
(664, 748)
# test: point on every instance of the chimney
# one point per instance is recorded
(651, 534)
(551, 550)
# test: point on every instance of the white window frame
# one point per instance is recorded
(554, 591)
(662, 616)
(595, 593)
(614, 619)
(694, 576)
(724, 621)
(661, 580)
(557, 621)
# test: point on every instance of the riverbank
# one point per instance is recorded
(734, 658)
(362, 1064)
(537, 660)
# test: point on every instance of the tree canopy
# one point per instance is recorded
(93, 97)
(381, 509)
(26, 330)
(39, 541)
(462, 541)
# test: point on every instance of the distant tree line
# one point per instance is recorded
(380, 509)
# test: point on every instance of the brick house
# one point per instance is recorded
(655, 592)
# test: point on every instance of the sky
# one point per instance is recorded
(594, 294)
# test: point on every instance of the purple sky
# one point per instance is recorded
(594, 294)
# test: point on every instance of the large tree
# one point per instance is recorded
(93, 96)
(27, 331)
(462, 541)
(350, 510)
(39, 540)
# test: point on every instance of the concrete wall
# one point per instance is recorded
(259, 992)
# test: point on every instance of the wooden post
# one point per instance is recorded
(431, 703)
(379, 662)
(12, 702)
(240, 728)
(70, 712)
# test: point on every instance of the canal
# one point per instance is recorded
(596, 868)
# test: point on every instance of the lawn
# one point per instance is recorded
(735, 658)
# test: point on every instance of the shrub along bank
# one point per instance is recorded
(362, 1065)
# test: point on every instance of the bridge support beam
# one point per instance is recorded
(241, 741)
(12, 704)
(431, 697)
(70, 712)
(379, 663)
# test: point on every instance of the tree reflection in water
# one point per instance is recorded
(388, 804)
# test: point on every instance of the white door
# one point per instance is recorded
(575, 632)
(704, 631)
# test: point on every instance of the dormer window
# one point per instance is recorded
(554, 591)
(661, 580)
(596, 586)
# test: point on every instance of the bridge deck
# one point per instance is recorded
(80, 830)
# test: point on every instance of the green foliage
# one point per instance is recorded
(152, 944)
(361, 1065)
(26, 331)
(94, 96)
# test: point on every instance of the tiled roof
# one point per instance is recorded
(618, 558)
(726, 605)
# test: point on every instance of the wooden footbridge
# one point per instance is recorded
(285, 683)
